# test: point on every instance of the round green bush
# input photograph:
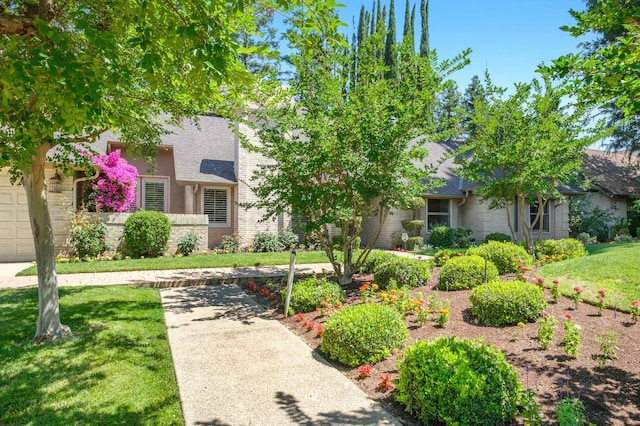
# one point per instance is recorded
(507, 302)
(363, 333)
(441, 256)
(503, 254)
(465, 272)
(146, 233)
(457, 381)
(442, 237)
(89, 241)
(497, 236)
(401, 272)
(375, 258)
(308, 294)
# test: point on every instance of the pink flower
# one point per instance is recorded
(556, 281)
(545, 314)
(635, 303)
(601, 293)
(600, 299)
(578, 289)
(319, 331)
(540, 280)
(568, 316)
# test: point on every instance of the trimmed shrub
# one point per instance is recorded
(229, 244)
(414, 242)
(462, 237)
(363, 333)
(503, 255)
(554, 250)
(89, 241)
(443, 255)
(188, 243)
(497, 236)
(266, 242)
(402, 272)
(442, 237)
(457, 381)
(412, 226)
(308, 294)
(146, 233)
(287, 238)
(375, 258)
(507, 302)
(465, 272)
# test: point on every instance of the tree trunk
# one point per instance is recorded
(48, 326)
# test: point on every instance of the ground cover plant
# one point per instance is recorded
(606, 379)
(117, 369)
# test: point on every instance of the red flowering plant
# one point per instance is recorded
(364, 371)
(601, 301)
(299, 317)
(555, 290)
(385, 382)
(251, 285)
(114, 190)
(319, 330)
(576, 296)
(367, 290)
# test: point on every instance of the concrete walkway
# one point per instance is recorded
(234, 363)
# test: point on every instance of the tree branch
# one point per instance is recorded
(17, 25)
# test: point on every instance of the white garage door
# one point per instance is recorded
(16, 241)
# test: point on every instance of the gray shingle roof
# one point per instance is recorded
(617, 173)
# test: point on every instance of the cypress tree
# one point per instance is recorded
(413, 22)
(374, 18)
(363, 26)
(407, 33)
(424, 36)
(389, 48)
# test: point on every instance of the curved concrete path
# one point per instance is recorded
(234, 363)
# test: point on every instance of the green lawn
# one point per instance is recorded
(614, 268)
(187, 262)
(117, 369)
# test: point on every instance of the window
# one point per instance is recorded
(216, 205)
(152, 194)
(544, 218)
(437, 213)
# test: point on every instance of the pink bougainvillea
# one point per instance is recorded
(114, 188)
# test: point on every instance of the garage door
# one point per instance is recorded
(16, 241)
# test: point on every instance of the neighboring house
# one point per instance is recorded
(615, 181)
(456, 205)
(199, 171)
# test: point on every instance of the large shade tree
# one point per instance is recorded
(70, 70)
(343, 144)
(523, 147)
(606, 73)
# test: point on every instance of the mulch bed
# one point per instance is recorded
(610, 394)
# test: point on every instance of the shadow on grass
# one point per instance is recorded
(116, 369)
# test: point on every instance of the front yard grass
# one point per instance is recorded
(611, 267)
(186, 262)
(117, 369)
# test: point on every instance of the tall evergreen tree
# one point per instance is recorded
(475, 92)
(407, 34)
(390, 44)
(424, 35)
(363, 26)
(448, 115)
(374, 18)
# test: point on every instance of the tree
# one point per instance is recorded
(390, 44)
(448, 114)
(523, 147)
(607, 72)
(342, 152)
(474, 93)
(424, 27)
(71, 70)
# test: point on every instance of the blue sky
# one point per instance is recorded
(509, 38)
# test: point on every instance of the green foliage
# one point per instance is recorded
(462, 237)
(442, 237)
(308, 294)
(529, 409)
(401, 271)
(503, 255)
(412, 226)
(457, 381)
(414, 243)
(375, 258)
(546, 329)
(443, 255)
(465, 272)
(570, 412)
(571, 339)
(497, 236)
(507, 302)
(338, 243)
(608, 347)
(585, 238)
(583, 218)
(287, 238)
(623, 238)
(229, 244)
(363, 333)
(266, 242)
(146, 233)
(89, 241)
(554, 250)
(188, 243)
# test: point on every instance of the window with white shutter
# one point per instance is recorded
(152, 194)
(216, 205)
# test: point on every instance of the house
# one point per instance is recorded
(615, 181)
(197, 179)
(455, 205)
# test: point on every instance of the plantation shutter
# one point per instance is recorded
(215, 205)
(154, 196)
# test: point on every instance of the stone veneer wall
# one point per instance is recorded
(181, 224)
